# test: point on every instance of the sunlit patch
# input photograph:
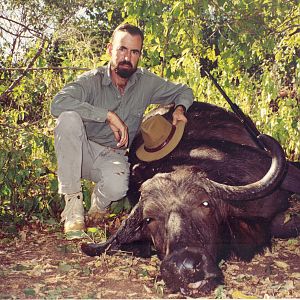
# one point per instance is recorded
(174, 227)
(174, 223)
(135, 166)
(207, 153)
(197, 285)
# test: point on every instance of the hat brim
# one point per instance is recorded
(144, 155)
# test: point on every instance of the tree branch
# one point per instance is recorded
(23, 25)
(45, 69)
(18, 80)
(15, 34)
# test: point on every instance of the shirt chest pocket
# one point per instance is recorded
(136, 115)
(134, 119)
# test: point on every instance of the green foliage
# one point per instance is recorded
(27, 186)
(252, 48)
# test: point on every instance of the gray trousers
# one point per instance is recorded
(78, 157)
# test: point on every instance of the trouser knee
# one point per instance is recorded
(69, 123)
(113, 190)
(108, 191)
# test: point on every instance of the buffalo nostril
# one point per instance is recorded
(189, 269)
(178, 270)
(187, 264)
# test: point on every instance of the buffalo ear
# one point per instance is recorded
(131, 230)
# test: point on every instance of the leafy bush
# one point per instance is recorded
(252, 48)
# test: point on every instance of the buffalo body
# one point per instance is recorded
(216, 195)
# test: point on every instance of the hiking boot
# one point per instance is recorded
(96, 211)
(73, 214)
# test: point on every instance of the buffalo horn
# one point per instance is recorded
(263, 186)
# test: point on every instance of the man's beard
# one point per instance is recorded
(125, 73)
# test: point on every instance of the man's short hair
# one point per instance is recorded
(126, 27)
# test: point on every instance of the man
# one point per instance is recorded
(97, 118)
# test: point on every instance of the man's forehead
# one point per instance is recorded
(123, 38)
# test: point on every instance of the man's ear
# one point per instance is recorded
(109, 48)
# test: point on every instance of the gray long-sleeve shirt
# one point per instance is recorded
(93, 94)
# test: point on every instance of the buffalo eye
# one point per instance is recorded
(148, 220)
(205, 204)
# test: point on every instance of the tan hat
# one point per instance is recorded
(160, 138)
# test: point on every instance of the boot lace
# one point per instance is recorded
(73, 207)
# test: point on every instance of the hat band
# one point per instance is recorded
(162, 145)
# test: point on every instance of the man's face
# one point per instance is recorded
(125, 51)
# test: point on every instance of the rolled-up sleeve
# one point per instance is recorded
(165, 92)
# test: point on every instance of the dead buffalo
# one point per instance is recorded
(214, 196)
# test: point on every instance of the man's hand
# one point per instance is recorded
(119, 129)
(178, 115)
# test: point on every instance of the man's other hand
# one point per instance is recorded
(119, 129)
(179, 115)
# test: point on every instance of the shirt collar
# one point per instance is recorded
(107, 78)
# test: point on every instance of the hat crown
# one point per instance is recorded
(160, 138)
(155, 131)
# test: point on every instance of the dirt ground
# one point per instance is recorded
(41, 263)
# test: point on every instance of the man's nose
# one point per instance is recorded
(127, 56)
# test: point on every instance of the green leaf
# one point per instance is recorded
(109, 15)
(20, 267)
(66, 248)
(64, 267)
(240, 295)
(93, 230)
(29, 292)
(76, 234)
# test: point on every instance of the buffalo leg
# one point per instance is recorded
(282, 228)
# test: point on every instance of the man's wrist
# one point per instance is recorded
(109, 116)
(182, 107)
